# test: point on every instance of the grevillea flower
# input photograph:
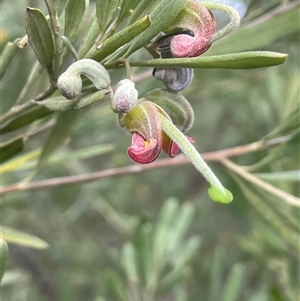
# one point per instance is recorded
(144, 124)
(189, 34)
(153, 130)
(148, 138)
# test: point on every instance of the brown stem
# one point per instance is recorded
(135, 168)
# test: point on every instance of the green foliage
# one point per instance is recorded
(69, 191)
(3, 257)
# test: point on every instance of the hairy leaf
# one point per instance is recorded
(119, 39)
(25, 119)
(243, 60)
(7, 56)
(40, 37)
(90, 36)
(75, 13)
(62, 104)
(105, 12)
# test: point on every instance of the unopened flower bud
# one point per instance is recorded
(70, 83)
(175, 79)
(126, 96)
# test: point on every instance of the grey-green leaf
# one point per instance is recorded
(243, 60)
(234, 283)
(90, 36)
(40, 37)
(21, 238)
(129, 6)
(3, 257)
(64, 124)
(119, 39)
(105, 12)
(24, 119)
(7, 56)
(10, 148)
(75, 14)
(62, 104)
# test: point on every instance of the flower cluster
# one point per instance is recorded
(160, 119)
(188, 35)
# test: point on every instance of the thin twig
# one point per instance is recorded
(135, 168)
(288, 198)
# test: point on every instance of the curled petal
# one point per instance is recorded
(194, 25)
(143, 151)
(144, 123)
(175, 79)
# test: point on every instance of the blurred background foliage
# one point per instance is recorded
(156, 235)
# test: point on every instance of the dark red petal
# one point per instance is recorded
(170, 147)
(143, 151)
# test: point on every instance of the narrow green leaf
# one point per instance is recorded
(119, 39)
(128, 261)
(143, 244)
(63, 104)
(7, 56)
(128, 6)
(243, 60)
(3, 257)
(183, 256)
(24, 239)
(187, 251)
(282, 221)
(64, 125)
(181, 221)
(161, 234)
(28, 160)
(115, 286)
(216, 275)
(40, 37)
(289, 176)
(20, 162)
(90, 36)
(105, 13)
(75, 13)
(234, 283)
(10, 148)
(163, 12)
(25, 119)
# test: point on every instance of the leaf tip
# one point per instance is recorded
(223, 197)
